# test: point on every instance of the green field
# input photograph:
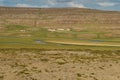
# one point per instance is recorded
(18, 36)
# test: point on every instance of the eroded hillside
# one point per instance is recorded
(76, 18)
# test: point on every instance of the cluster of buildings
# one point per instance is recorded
(59, 29)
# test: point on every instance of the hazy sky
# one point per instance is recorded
(95, 4)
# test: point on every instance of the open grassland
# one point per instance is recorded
(43, 38)
(35, 64)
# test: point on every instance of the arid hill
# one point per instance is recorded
(77, 18)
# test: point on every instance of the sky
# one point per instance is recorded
(112, 5)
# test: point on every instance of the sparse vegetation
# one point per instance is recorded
(79, 75)
(53, 62)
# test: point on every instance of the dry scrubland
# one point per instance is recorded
(59, 65)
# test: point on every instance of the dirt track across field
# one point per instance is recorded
(87, 43)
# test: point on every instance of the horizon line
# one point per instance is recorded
(58, 8)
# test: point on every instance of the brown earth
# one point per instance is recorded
(59, 65)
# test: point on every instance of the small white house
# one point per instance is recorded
(67, 29)
(22, 30)
(52, 30)
(60, 29)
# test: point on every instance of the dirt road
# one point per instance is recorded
(87, 43)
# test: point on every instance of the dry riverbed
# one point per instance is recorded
(59, 65)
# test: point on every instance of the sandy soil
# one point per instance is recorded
(59, 65)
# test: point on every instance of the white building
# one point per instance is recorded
(52, 30)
